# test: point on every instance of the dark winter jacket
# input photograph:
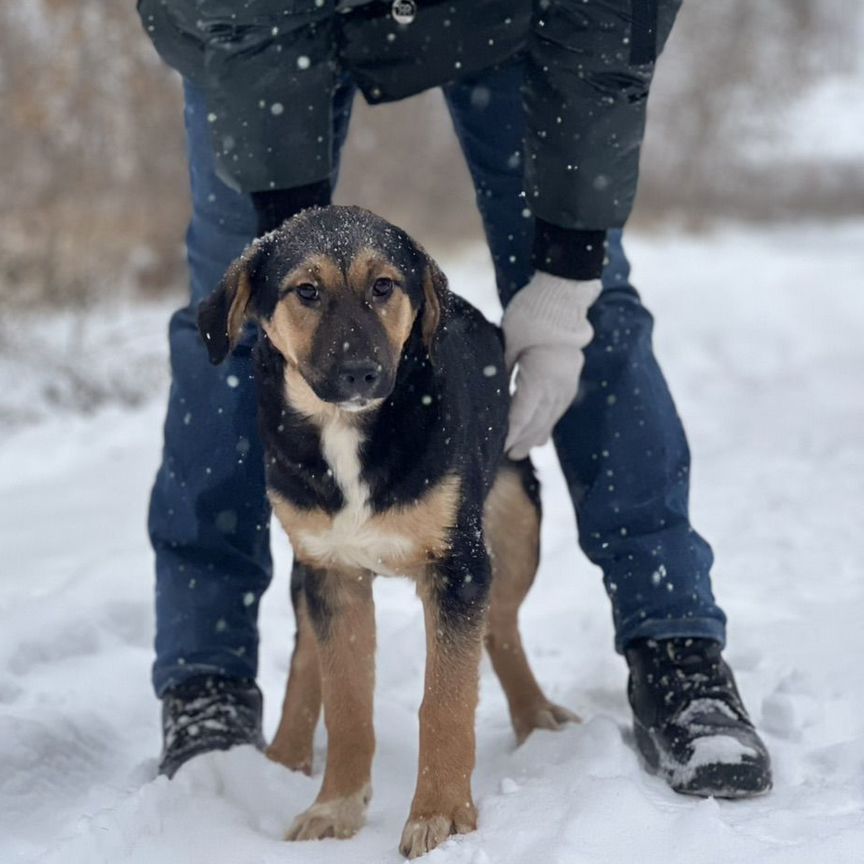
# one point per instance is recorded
(268, 68)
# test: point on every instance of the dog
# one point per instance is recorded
(383, 401)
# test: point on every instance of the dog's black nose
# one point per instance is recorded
(358, 378)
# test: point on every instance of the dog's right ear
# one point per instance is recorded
(222, 315)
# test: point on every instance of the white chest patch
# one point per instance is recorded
(353, 538)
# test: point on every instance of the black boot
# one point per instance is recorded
(208, 713)
(691, 726)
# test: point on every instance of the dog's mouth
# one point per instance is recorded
(358, 404)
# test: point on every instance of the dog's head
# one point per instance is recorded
(337, 291)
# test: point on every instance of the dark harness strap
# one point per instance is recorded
(643, 31)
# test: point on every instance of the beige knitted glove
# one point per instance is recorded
(545, 329)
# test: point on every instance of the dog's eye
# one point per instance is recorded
(382, 288)
(307, 292)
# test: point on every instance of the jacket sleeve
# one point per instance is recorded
(589, 69)
(267, 73)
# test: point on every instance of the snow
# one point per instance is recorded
(718, 748)
(759, 331)
(112, 353)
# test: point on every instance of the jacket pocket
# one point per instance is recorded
(192, 36)
(446, 40)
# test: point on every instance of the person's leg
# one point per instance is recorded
(621, 445)
(627, 464)
(209, 518)
(626, 461)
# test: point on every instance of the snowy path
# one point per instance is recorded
(761, 335)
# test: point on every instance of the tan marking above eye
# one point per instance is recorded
(318, 270)
(368, 266)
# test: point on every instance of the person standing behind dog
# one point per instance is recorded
(548, 102)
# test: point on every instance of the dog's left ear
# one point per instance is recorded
(434, 298)
(222, 315)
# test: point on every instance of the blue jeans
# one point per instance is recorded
(621, 444)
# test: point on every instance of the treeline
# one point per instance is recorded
(93, 191)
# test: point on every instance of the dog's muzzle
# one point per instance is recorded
(359, 381)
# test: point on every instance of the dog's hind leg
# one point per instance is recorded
(512, 529)
(292, 745)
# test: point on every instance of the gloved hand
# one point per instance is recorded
(545, 329)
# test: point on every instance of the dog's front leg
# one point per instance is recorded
(454, 601)
(341, 608)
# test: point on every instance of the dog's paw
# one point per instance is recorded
(339, 818)
(544, 715)
(424, 834)
(293, 758)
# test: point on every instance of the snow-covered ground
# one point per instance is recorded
(760, 331)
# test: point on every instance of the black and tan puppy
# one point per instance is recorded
(383, 405)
